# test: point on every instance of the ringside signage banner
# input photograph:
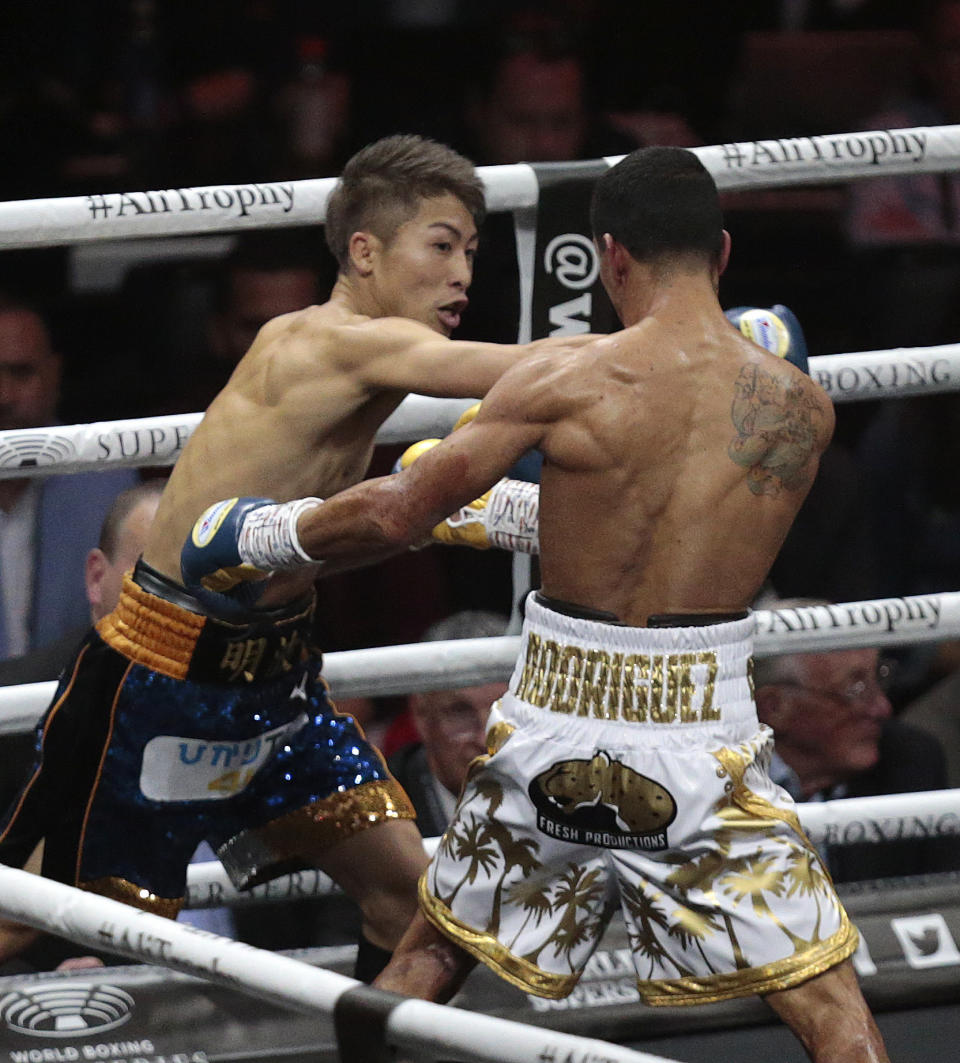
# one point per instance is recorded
(568, 297)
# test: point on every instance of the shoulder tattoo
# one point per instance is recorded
(777, 430)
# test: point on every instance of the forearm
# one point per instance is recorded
(367, 522)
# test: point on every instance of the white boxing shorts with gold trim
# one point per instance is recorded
(628, 765)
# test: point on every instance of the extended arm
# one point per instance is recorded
(393, 512)
(406, 356)
(235, 544)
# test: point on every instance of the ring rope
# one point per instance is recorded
(422, 1030)
(847, 820)
(384, 671)
(231, 207)
(847, 378)
(158, 441)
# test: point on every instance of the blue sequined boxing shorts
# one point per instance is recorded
(170, 728)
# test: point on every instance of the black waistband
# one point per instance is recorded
(261, 645)
(695, 619)
(579, 612)
(585, 612)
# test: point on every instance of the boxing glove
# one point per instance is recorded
(775, 329)
(506, 516)
(236, 544)
(410, 455)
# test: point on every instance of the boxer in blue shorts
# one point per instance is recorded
(173, 728)
(187, 715)
(627, 758)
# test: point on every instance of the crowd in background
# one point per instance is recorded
(124, 95)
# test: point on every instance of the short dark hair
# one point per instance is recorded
(659, 202)
(383, 185)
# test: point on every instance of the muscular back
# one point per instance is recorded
(675, 464)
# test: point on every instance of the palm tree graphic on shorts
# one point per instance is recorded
(685, 927)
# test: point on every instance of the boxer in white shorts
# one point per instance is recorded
(627, 757)
(630, 762)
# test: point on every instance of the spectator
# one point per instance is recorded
(449, 728)
(907, 228)
(836, 736)
(533, 101)
(920, 208)
(314, 106)
(914, 509)
(46, 523)
(206, 322)
(121, 541)
(937, 711)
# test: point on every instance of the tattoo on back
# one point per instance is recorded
(776, 431)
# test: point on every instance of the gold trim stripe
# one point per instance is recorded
(486, 948)
(127, 892)
(308, 831)
(151, 631)
(758, 981)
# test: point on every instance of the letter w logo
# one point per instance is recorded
(564, 316)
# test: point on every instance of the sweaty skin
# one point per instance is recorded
(300, 413)
(676, 455)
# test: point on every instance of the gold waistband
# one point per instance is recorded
(152, 631)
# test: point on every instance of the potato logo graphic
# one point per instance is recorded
(601, 796)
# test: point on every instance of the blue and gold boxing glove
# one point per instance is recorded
(236, 544)
(775, 329)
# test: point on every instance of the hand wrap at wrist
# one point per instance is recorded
(507, 516)
(512, 516)
(268, 539)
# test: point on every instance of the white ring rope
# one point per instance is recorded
(420, 1029)
(382, 671)
(843, 821)
(226, 208)
(158, 441)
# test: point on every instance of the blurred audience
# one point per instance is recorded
(189, 325)
(531, 100)
(906, 228)
(314, 107)
(121, 540)
(917, 208)
(904, 458)
(47, 522)
(836, 736)
(448, 729)
(937, 711)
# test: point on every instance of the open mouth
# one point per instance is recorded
(449, 315)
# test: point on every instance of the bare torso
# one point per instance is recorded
(675, 465)
(292, 421)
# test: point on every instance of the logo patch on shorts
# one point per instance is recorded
(196, 769)
(210, 520)
(602, 802)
